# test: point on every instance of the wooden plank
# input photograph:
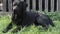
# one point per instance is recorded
(34, 5)
(5, 13)
(4, 5)
(21, 0)
(1, 7)
(52, 5)
(46, 5)
(10, 6)
(58, 2)
(28, 2)
(40, 5)
(57, 5)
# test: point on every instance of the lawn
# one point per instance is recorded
(5, 20)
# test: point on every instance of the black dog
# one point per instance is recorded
(22, 18)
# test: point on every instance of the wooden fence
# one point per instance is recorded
(42, 5)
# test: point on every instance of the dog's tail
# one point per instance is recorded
(51, 23)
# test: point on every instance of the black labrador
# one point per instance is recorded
(22, 18)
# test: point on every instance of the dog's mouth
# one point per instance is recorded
(14, 7)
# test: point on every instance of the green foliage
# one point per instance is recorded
(5, 20)
(52, 15)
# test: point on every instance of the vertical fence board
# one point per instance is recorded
(46, 5)
(34, 4)
(40, 5)
(58, 5)
(33, 7)
(28, 2)
(1, 7)
(22, 0)
(4, 5)
(10, 6)
(52, 5)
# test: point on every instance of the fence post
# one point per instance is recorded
(52, 5)
(46, 5)
(40, 5)
(4, 5)
(28, 2)
(58, 5)
(10, 6)
(34, 5)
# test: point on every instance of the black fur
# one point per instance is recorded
(22, 18)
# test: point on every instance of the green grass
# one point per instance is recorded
(5, 20)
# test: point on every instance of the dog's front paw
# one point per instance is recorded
(4, 31)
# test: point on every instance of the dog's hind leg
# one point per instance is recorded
(40, 21)
(45, 26)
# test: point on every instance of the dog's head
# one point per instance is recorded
(20, 7)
